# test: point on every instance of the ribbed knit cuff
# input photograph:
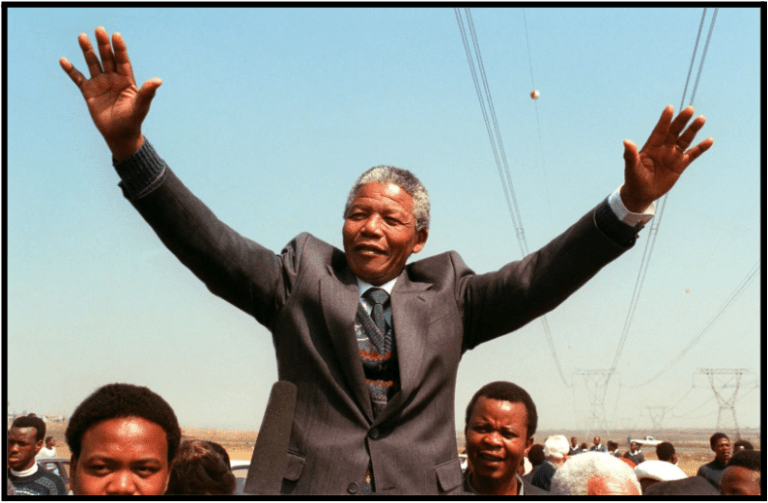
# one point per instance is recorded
(616, 230)
(141, 172)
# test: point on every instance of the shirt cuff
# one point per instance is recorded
(629, 217)
(141, 172)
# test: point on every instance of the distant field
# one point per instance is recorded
(692, 445)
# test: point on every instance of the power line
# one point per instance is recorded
(497, 146)
(728, 302)
(657, 220)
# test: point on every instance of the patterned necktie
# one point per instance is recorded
(381, 317)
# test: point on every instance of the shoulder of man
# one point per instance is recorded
(531, 490)
(58, 486)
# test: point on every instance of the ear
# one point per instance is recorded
(73, 474)
(421, 240)
(528, 444)
(39, 445)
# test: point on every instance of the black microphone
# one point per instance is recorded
(270, 454)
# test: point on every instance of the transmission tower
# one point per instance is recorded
(722, 380)
(596, 382)
(657, 416)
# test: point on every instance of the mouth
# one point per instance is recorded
(490, 457)
(369, 250)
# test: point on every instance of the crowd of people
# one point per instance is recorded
(126, 440)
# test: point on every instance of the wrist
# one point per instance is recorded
(125, 148)
(633, 204)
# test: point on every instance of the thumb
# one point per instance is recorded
(147, 93)
(631, 155)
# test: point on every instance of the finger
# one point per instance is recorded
(105, 50)
(659, 133)
(696, 151)
(631, 155)
(146, 94)
(90, 56)
(688, 135)
(77, 77)
(122, 62)
(677, 125)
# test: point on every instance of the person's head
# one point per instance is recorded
(50, 442)
(25, 439)
(741, 445)
(123, 439)
(556, 448)
(596, 440)
(500, 422)
(574, 442)
(612, 446)
(634, 446)
(592, 474)
(536, 454)
(654, 471)
(199, 468)
(721, 445)
(386, 219)
(665, 451)
(743, 474)
(584, 446)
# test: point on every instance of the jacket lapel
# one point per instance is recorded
(339, 300)
(410, 316)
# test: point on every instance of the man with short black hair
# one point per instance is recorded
(712, 471)
(613, 449)
(635, 453)
(500, 422)
(123, 439)
(574, 448)
(25, 439)
(743, 474)
(665, 451)
(598, 446)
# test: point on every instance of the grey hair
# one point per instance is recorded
(573, 476)
(556, 446)
(403, 179)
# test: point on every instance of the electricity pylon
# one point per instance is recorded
(596, 382)
(721, 380)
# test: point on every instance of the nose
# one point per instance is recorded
(373, 225)
(492, 439)
(121, 482)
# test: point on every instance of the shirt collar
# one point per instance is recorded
(363, 287)
(25, 473)
(520, 490)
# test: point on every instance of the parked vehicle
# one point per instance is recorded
(648, 441)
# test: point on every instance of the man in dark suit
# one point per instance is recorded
(375, 370)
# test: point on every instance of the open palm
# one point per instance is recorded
(651, 172)
(116, 105)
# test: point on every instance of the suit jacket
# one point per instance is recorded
(307, 297)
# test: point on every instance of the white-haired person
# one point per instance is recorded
(595, 474)
(556, 452)
(654, 471)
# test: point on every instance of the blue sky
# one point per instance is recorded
(269, 115)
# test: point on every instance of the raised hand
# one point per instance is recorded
(650, 173)
(116, 106)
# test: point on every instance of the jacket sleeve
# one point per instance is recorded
(497, 303)
(233, 267)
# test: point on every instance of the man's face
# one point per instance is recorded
(497, 440)
(22, 447)
(574, 442)
(380, 232)
(596, 440)
(722, 450)
(633, 446)
(740, 481)
(50, 443)
(125, 455)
